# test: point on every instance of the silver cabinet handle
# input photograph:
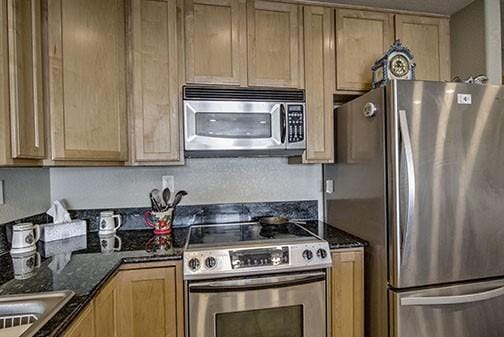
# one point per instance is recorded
(458, 299)
(410, 167)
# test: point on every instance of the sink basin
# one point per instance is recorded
(23, 315)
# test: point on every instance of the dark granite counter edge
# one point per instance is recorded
(65, 318)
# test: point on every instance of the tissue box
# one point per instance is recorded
(57, 247)
(64, 230)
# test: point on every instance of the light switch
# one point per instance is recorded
(168, 181)
(2, 200)
(329, 186)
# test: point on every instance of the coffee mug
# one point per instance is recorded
(24, 265)
(24, 237)
(108, 243)
(108, 222)
(162, 221)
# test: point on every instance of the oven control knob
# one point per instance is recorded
(210, 262)
(194, 264)
(322, 253)
(307, 255)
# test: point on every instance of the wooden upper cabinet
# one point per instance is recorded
(87, 79)
(362, 37)
(319, 83)
(155, 118)
(151, 302)
(275, 55)
(347, 293)
(429, 42)
(215, 41)
(25, 79)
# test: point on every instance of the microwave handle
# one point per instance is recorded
(283, 123)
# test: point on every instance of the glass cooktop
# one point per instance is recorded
(244, 233)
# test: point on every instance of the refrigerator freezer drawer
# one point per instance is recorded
(468, 310)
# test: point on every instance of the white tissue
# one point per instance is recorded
(59, 213)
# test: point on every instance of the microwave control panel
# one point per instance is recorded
(295, 121)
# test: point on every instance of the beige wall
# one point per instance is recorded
(475, 33)
(224, 180)
(26, 192)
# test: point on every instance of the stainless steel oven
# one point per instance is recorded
(243, 121)
(278, 305)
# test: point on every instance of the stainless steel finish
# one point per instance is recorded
(410, 168)
(469, 310)
(195, 269)
(294, 290)
(428, 199)
(275, 142)
(43, 306)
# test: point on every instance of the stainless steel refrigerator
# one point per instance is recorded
(419, 174)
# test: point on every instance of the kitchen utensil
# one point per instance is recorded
(178, 198)
(24, 237)
(108, 222)
(162, 221)
(166, 198)
(273, 220)
(155, 200)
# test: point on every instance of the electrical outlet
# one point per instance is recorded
(168, 181)
(2, 200)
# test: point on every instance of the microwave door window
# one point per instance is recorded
(233, 125)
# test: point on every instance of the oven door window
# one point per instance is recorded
(233, 125)
(273, 322)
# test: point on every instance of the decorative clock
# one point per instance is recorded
(397, 63)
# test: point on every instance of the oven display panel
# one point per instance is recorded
(246, 258)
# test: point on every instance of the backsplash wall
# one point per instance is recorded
(213, 180)
(26, 192)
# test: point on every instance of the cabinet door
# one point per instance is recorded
(87, 87)
(106, 306)
(347, 294)
(25, 79)
(84, 325)
(362, 38)
(429, 41)
(151, 302)
(319, 84)
(215, 41)
(274, 44)
(156, 134)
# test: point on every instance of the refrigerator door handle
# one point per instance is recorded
(408, 150)
(458, 299)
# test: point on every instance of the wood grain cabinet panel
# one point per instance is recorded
(155, 118)
(319, 83)
(84, 325)
(25, 79)
(429, 41)
(151, 302)
(87, 79)
(106, 306)
(275, 55)
(362, 37)
(215, 34)
(347, 293)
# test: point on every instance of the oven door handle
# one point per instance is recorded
(283, 123)
(256, 283)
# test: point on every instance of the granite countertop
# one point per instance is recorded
(87, 268)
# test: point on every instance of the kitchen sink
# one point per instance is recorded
(23, 315)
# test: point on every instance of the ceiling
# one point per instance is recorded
(446, 7)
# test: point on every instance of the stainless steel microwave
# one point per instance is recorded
(243, 122)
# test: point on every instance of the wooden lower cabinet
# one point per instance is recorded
(84, 326)
(346, 293)
(140, 301)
